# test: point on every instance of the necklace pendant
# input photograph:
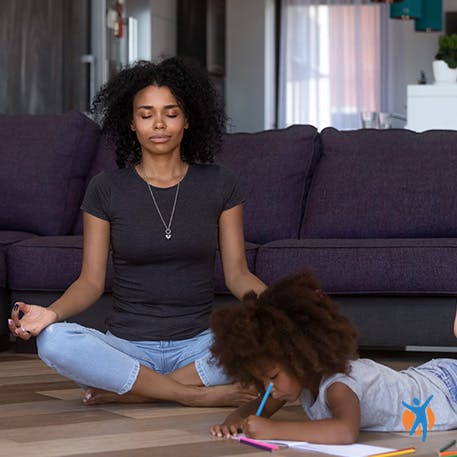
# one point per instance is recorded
(167, 227)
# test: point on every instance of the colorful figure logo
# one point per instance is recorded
(418, 418)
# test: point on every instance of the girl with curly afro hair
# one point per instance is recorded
(161, 215)
(294, 338)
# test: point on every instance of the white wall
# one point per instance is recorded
(163, 28)
(250, 76)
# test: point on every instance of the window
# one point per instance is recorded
(330, 62)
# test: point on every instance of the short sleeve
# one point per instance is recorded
(345, 379)
(231, 192)
(97, 197)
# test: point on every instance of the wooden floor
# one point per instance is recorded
(41, 415)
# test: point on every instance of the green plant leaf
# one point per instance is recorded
(447, 49)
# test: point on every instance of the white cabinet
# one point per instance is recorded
(431, 106)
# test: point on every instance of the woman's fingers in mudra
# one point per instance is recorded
(18, 331)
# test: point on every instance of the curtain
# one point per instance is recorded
(330, 62)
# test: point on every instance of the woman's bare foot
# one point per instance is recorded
(224, 395)
(93, 396)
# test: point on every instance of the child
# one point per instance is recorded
(294, 336)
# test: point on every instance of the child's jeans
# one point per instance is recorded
(446, 370)
(92, 358)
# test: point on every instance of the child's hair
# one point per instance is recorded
(293, 322)
(194, 92)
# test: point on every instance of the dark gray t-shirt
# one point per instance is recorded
(163, 289)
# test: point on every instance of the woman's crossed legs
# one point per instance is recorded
(111, 369)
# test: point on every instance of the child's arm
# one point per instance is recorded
(342, 428)
(234, 421)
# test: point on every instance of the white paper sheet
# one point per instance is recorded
(342, 450)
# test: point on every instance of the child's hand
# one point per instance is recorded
(258, 427)
(231, 427)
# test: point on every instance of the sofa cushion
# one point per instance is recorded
(366, 266)
(8, 237)
(274, 168)
(47, 263)
(104, 160)
(45, 160)
(52, 263)
(383, 183)
(11, 236)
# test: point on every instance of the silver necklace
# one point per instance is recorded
(167, 226)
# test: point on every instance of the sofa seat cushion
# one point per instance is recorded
(52, 263)
(45, 160)
(8, 237)
(219, 281)
(384, 184)
(12, 236)
(274, 169)
(47, 263)
(373, 266)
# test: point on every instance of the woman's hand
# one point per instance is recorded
(231, 426)
(258, 427)
(33, 320)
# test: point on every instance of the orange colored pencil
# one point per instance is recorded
(447, 453)
(408, 450)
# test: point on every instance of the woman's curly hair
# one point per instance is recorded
(293, 323)
(194, 92)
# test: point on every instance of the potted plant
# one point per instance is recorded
(445, 63)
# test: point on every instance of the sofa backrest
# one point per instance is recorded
(274, 169)
(383, 183)
(104, 160)
(45, 160)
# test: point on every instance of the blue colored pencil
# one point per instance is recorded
(264, 399)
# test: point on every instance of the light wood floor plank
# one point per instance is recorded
(26, 367)
(119, 441)
(63, 394)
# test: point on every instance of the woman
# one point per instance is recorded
(163, 213)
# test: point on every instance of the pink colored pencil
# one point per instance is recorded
(259, 444)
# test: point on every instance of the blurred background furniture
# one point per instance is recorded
(431, 106)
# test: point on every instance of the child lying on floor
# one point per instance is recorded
(294, 336)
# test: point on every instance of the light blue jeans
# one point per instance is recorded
(446, 370)
(95, 359)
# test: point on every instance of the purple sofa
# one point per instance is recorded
(372, 212)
